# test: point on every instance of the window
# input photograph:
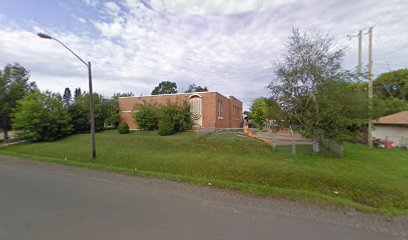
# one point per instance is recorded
(220, 113)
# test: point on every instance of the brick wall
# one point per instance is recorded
(231, 108)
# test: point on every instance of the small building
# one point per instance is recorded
(209, 109)
(393, 127)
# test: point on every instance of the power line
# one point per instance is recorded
(392, 51)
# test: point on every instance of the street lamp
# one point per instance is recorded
(91, 104)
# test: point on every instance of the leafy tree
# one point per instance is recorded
(79, 111)
(387, 106)
(14, 85)
(112, 113)
(165, 87)
(41, 117)
(116, 96)
(341, 110)
(77, 93)
(67, 97)
(111, 108)
(390, 92)
(259, 111)
(263, 108)
(393, 84)
(79, 116)
(274, 110)
(310, 86)
(194, 88)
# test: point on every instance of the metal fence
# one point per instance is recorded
(287, 141)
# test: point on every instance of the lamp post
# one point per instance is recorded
(91, 104)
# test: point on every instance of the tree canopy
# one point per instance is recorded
(393, 84)
(194, 88)
(41, 117)
(66, 98)
(165, 87)
(14, 85)
(311, 87)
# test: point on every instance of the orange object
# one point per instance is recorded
(250, 134)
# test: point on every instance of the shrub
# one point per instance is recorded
(41, 117)
(179, 114)
(166, 126)
(123, 128)
(146, 115)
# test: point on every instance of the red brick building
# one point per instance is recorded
(209, 109)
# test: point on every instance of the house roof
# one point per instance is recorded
(400, 118)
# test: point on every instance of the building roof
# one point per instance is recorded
(400, 118)
(178, 94)
(172, 94)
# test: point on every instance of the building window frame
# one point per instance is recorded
(220, 110)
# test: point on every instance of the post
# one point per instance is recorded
(293, 147)
(273, 142)
(370, 86)
(91, 113)
(91, 104)
(360, 58)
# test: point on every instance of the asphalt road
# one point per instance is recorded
(48, 201)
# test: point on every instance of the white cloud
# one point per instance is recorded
(81, 20)
(91, 2)
(228, 46)
(207, 7)
(112, 8)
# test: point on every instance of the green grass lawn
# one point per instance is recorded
(372, 180)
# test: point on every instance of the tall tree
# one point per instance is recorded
(165, 87)
(14, 85)
(259, 111)
(66, 98)
(390, 92)
(77, 93)
(393, 84)
(307, 79)
(262, 108)
(79, 111)
(194, 88)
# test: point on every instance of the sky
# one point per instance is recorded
(227, 45)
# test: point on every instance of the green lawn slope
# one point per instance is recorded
(371, 180)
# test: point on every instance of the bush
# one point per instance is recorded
(41, 117)
(178, 114)
(166, 126)
(123, 128)
(146, 116)
(170, 118)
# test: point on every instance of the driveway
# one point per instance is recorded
(49, 201)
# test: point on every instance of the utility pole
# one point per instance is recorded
(370, 86)
(360, 57)
(92, 112)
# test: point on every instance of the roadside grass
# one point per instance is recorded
(369, 180)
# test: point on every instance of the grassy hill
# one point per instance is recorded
(372, 180)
